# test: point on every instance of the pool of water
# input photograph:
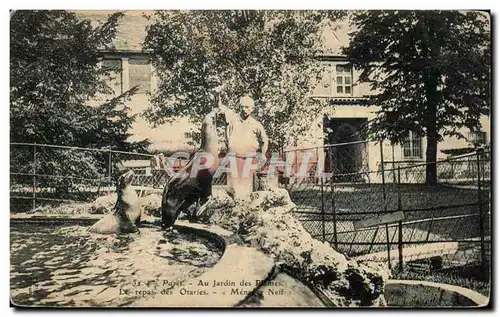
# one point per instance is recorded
(65, 266)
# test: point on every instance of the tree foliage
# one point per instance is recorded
(55, 72)
(430, 71)
(269, 54)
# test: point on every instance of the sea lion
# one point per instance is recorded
(182, 192)
(127, 210)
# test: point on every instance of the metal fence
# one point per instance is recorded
(355, 206)
(388, 213)
(50, 175)
(43, 175)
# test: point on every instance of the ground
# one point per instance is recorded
(456, 277)
(349, 203)
(360, 201)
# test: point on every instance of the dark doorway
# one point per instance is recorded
(345, 161)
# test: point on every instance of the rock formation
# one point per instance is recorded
(151, 205)
(266, 222)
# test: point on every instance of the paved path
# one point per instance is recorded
(413, 253)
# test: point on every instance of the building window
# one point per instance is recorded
(477, 138)
(334, 80)
(114, 78)
(343, 79)
(188, 135)
(412, 146)
(140, 74)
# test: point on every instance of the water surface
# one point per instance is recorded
(65, 266)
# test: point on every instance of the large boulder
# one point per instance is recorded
(151, 205)
(104, 204)
(265, 221)
(65, 209)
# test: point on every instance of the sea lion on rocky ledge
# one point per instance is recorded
(181, 193)
(127, 210)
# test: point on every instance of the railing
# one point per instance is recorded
(42, 174)
(449, 221)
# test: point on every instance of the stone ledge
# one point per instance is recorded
(415, 252)
(237, 263)
(55, 218)
(298, 295)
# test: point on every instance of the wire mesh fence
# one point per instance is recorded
(387, 212)
(380, 211)
(50, 175)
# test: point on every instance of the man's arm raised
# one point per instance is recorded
(229, 114)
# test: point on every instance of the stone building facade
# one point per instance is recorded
(341, 122)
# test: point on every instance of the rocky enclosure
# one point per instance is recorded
(150, 206)
(265, 221)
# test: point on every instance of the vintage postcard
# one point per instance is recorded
(250, 158)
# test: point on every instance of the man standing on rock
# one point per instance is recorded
(246, 141)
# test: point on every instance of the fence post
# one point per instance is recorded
(334, 211)
(394, 166)
(322, 199)
(400, 224)
(110, 168)
(481, 216)
(34, 176)
(385, 204)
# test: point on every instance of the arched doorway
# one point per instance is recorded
(345, 155)
(345, 161)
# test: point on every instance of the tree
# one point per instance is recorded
(55, 72)
(270, 54)
(430, 71)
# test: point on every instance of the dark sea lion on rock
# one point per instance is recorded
(184, 191)
(127, 210)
